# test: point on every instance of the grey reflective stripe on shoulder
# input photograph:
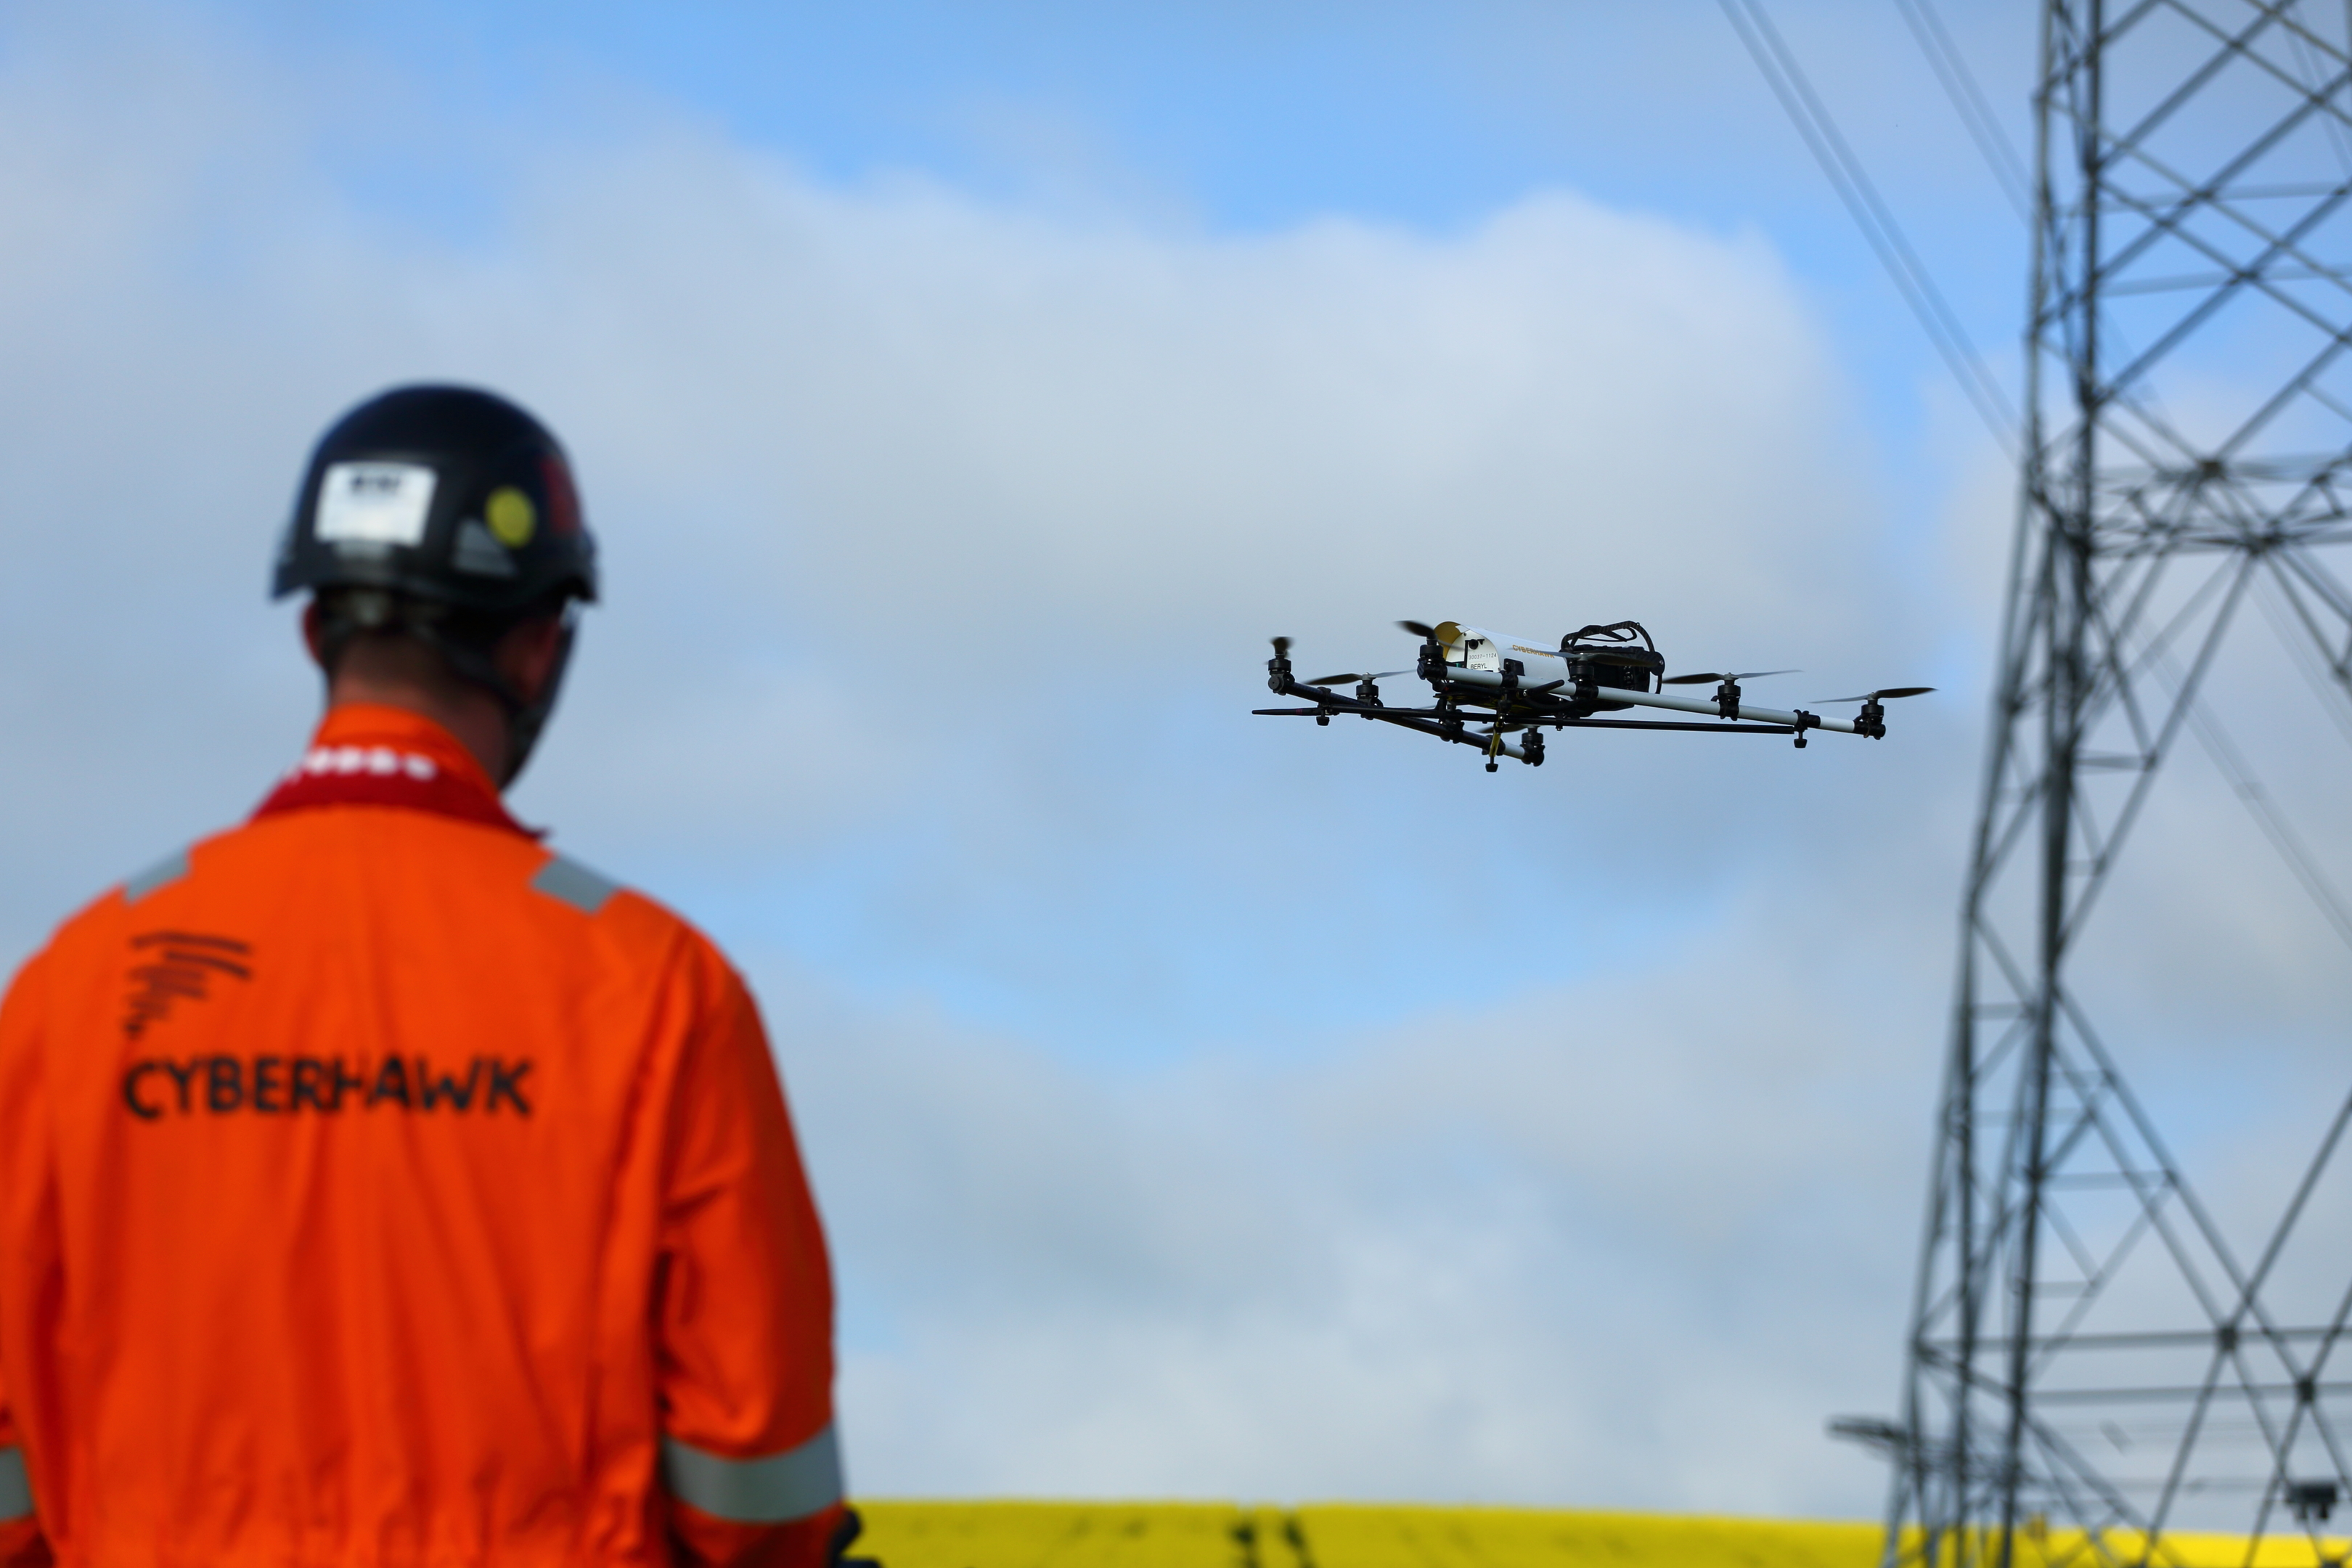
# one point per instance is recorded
(15, 1491)
(777, 1489)
(566, 879)
(170, 869)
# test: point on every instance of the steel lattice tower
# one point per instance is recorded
(2187, 454)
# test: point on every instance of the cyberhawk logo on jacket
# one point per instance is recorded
(170, 966)
(156, 1086)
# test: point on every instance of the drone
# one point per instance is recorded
(1508, 686)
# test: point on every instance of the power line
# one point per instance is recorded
(1959, 83)
(2000, 155)
(2231, 762)
(1812, 119)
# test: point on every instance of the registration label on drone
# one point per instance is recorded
(375, 503)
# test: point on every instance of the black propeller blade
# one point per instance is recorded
(1336, 679)
(1891, 691)
(1418, 629)
(1706, 675)
(1282, 647)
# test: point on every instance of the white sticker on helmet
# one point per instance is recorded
(375, 503)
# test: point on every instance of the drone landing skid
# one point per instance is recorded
(1419, 718)
(1432, 722)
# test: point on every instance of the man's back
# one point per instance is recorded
(375, 1188)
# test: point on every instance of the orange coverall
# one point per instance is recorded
(378, 1188)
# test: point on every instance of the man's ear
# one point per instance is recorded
(526, 655)
(311, 637)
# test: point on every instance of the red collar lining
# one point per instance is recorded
(386, 774)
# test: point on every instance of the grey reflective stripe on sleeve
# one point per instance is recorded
(15, 1491)
(170, 869)
(569, 880)
(782, 1487)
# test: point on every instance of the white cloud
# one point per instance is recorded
(1572, 1251)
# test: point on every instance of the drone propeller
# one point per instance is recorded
(1880, 695)
(1706, 675)
(1418, 629)
(1282, 647)
(1336, 679)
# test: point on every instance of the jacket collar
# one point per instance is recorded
(367, 754)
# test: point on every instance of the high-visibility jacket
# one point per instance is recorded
(377, 1187)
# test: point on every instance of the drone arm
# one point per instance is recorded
(1428, 727)
(1747, 710)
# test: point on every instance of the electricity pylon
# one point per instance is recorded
(2094, 1347)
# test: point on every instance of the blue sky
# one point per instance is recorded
(1200, 1104)
(1237, 119)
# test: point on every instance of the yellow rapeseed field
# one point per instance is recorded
(905, 1535)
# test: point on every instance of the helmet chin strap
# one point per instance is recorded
(469, 660)
(526, 717)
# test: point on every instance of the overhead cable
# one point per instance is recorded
(1974, 111)
(2313, 79)
(1812, 119)
(2009, 169)
(2232, 763)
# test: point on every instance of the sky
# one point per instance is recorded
(1200, 1105)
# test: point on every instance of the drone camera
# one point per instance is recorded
(1600, 656)
(1593, 671)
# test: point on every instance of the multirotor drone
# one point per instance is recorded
(1513, 687)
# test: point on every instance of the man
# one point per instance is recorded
(376, 1186)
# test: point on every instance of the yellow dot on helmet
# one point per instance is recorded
(512, 517)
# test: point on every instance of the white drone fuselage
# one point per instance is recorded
(1475, 656)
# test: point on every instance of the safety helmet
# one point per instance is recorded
(450, 513)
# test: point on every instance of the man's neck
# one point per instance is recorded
(473, 717)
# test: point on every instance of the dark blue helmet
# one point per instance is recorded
(441, 493)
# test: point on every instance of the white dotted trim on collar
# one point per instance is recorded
(382, 762)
